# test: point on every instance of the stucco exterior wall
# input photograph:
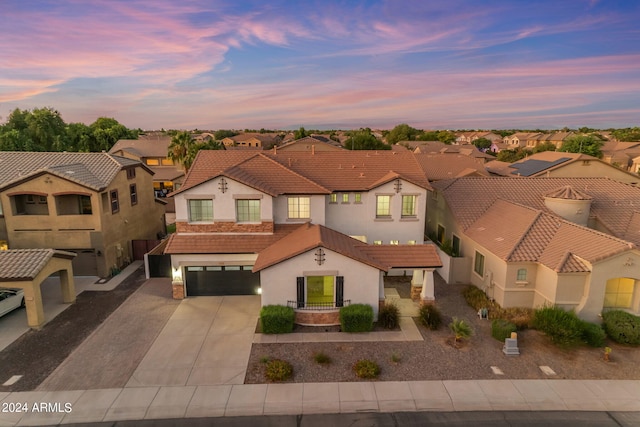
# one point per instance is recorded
(594, 168)
(224, 205)
(359, 219)
(361, 282)
(317, 210)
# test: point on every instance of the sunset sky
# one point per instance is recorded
(324, 64)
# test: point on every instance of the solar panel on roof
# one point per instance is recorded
(533, 166)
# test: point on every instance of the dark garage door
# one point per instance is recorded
(85, 262)
(216, 280)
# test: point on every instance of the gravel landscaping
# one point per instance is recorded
(436, 358)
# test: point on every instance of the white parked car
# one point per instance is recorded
(10, 299)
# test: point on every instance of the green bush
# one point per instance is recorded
(356, 318)
(389, 316)
(278, 370)
(502, 329)
(622, 327)
(564, 328)
(366, 369)
(276, 319)
(593, 334)
(430, 316)
(321, 358)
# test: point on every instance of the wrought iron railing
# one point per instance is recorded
(302, 305)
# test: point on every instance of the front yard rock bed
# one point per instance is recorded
(436, 358)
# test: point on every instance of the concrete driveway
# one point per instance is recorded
(207, 341)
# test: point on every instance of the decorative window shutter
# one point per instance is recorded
(300, 286)
(339, 291)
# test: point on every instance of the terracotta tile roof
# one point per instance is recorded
(614, 204)
(92, 170)
(166, 173)
(567, 192)
(269, 176)
(352, 170)
(446, 166)
(383, 257)
(25, 264)
(498, 167)
(221, 243)
(297, 172)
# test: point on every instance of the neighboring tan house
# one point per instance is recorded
(311, 143)
(251, 140)
(468, 137)
(555, 138)
(298, 227)
(93, 204)
(622, 154)
(519, 139)
(152, 150)
(571, 242)
(559, 164)
(468, 150)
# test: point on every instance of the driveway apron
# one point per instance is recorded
(207, 341)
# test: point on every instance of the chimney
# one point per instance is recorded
(289, 161)
(313, 149)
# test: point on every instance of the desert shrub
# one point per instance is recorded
(622, 327)
(460, 329)
(278, 370)
(502, 329)
(321, 358)
(564, 328)
(593, 334)
(430, 316)
(366, 369)
(356, 318)
(276, 319)
(476, 298)
(395, 358)
(389, 316)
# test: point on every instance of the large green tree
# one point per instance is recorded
(482, 143)
(364, 139)
(586, 144)
(402, 132)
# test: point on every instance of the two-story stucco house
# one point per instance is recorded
(571, 242)
(93, 204)
(309, 229)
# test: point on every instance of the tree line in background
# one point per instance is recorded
(43, 129)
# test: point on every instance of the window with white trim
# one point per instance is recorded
(200, 210)
(248, 210)
(383, 206)
(408, 206)
(298, 207)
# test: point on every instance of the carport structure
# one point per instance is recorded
(27, 268)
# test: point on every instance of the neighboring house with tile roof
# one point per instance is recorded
(237, 210)
(559, 164)
(311, 143)
(152, 150)
(572, 242)
(468, 150)
(446, 166)
(251, 140)
(93, 204)
(469, 137)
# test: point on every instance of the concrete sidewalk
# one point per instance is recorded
(319, 398)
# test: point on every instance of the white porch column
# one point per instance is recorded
(428, 286)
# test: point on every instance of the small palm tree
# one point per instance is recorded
(461, 329)
(180, 149)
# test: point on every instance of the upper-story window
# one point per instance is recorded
(409, 206)
(200, 210)
(133, 194)
(357, 198)
(333, 198)
(298, 207)
(115, 204)
(345, 197)
(522, 275)
(167, 162)
(383, 206)
(131, 173)
(29, 204)
(248, 210)
(153, 162)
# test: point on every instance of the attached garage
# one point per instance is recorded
(221, 280)
(85, 263)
